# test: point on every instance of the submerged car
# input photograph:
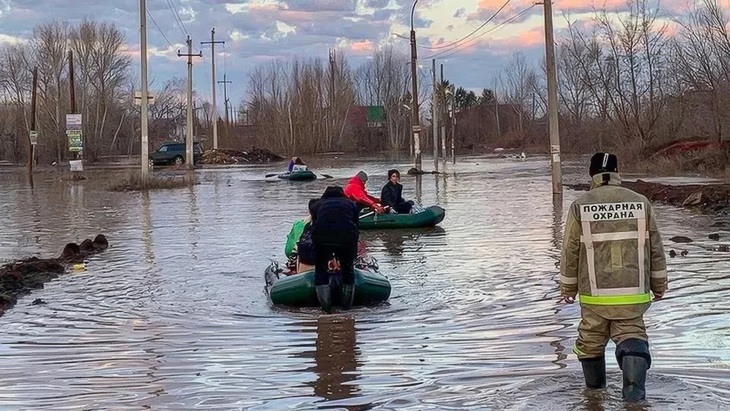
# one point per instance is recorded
(174, 153)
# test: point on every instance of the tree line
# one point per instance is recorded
(628, 82)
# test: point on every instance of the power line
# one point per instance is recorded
(178, 20)
(445, 53)
(470, 34)
(159, 29)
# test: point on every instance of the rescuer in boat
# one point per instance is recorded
(296, 164)
(392, 194)
(335, 233)
(299, 245)
(355, 191)
(612, 258)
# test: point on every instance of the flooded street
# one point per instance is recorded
(174, 315)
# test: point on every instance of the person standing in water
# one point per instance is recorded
(612, 258)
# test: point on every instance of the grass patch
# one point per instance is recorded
(707, 162)
(134, 182)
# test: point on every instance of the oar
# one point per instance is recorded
(371, 213)
(326, 176)
(271, 175)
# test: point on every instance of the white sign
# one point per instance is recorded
(73, 121)
(612, 211)
(33, 137)
(76, 165)
(138, 98)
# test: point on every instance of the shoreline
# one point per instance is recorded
(710, 198)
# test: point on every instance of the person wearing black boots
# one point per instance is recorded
(613, 259)
(335, 233)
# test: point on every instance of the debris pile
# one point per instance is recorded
(223, 156)
(21, 277)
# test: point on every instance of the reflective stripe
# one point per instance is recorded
(577, 350)
(642, 255)
(590, 256)
(617, 236)
(619, 291)
(568, 280)
(659, 274)
(615, 299)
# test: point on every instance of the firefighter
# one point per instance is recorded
(612, 257)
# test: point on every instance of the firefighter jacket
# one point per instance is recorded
(612, 250)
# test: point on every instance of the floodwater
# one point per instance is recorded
(173, 316)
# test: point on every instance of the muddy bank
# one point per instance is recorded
(21, 277)
(706, 197)
(223, 156)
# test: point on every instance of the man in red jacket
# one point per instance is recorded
(355, 191)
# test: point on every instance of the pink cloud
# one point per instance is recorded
(365, 46)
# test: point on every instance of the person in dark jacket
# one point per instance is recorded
(392, 194)
(335, 232)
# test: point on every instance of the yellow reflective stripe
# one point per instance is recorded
(628, 299)
(577, 351)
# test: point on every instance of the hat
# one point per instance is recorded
(603, 163)
(312, 205)
(363, 176)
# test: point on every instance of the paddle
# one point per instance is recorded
(371, 213)
(326, 176)
(271, 175)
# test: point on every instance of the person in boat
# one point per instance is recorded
(335, 234)
(613, 257)
(392, 194)
(299, 246)
(355, 191)
(296, 164)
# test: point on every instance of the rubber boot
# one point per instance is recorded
(634, 359)
(348, 296)
(594, 371)
(324, 296)
(634, 370)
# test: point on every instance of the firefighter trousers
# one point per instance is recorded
(594, 332)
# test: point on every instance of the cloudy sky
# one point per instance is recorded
(256, 31)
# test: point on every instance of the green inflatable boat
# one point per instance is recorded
(303, 175)
(426, 218)
(298, 290)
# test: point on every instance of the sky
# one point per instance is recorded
(258, 31)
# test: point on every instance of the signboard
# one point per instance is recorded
(138, 98)
(76, 165)
(416, 129)
(74, 141)
(73, 122)
(33, 137)
(73, 131)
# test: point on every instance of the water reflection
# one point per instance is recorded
(336, 358)
(147, 229)
(472, 323)
(396, 241)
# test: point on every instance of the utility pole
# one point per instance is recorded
(71, 85)
(552, 83)
(442, 114)
(33, 100)
(189, 116)
(415, 120)
(435, 117)
(225, 97)
(332, 123)
(212, 43)
(144, 103)
(453, 125)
